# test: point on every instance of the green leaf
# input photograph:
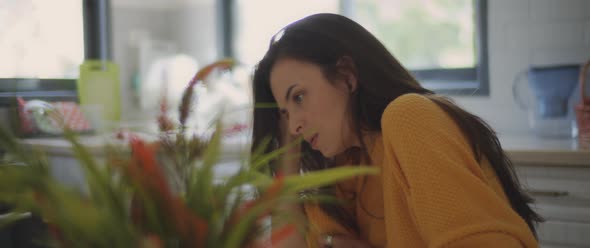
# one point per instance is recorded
(326, 177)
(201, 184)
(265, 159)
(99, 182)
(266, 105)
(259, 151)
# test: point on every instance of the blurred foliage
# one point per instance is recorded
(160, 193)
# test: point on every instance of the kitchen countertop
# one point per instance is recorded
(522, 149)
(232, 146)
(528, 149)
(95, 144)
(64, 165)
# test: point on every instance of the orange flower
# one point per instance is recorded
(145, 160)
(280, 234)
(203, 73)
(151, 241)
(187, 96)
(276, 237)
(146, 171)
(56, 233)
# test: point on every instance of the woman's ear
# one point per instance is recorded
(347, 69)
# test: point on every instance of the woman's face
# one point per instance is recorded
(313, 106)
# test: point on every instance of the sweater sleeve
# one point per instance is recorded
(450, 202)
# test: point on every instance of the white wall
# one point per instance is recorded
(523, 33)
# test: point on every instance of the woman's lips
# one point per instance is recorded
(314, 141)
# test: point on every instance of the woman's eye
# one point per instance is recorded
(298, 98)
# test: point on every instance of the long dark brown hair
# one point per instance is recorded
(324, 39)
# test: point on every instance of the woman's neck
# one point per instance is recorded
(368, 141)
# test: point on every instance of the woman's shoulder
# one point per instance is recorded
(410, 108)
(410, 98)
(413, 117)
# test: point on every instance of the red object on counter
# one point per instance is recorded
(68, 113)
(583, 111)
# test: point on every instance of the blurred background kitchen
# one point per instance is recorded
(515, 63)
(473, 50)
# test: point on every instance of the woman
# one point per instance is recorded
(444, 179)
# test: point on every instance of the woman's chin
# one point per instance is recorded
(327, 154)
(321, 151)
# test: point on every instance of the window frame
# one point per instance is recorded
(471, 81)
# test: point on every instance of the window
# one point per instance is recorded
(253, 28)
(43, 44)
(443, 43)
(41, 39)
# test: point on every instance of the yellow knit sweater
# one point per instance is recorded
(431, 191)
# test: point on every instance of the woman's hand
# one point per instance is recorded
(290, 163)
(342, 241)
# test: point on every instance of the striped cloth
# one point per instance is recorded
(67, 113)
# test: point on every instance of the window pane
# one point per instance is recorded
(257, 20)
(423, 34)
(41, 38)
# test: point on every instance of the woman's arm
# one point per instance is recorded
(450, 202)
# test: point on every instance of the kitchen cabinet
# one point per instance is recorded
(557, 175)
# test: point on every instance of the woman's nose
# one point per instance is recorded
(295, 127)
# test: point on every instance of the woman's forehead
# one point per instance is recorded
(288, 70)
(285, 72)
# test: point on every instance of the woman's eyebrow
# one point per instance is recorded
(289, 91)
